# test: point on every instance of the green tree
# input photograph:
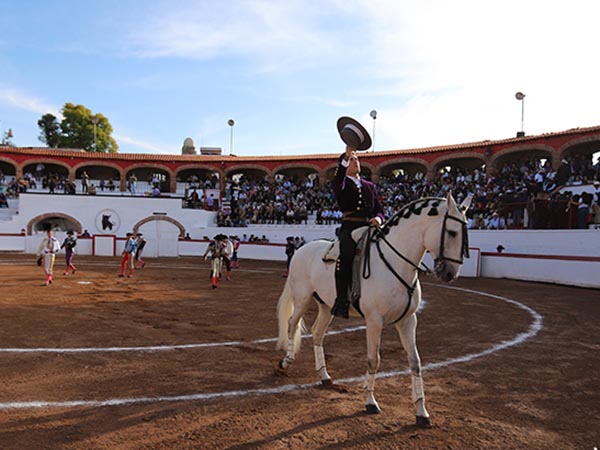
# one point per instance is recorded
(50, 130)
(79, 128)
(79, 131)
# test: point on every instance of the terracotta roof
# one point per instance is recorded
(63, 152)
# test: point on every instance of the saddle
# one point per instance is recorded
(361, 237)
(332, 252)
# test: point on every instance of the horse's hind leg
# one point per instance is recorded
(374, 327)
(407, 331)
(318, 330)
(295, 328)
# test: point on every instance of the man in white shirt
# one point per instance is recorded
(47, 251)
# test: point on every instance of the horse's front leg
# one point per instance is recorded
(318, 330)
(374, 327)
(407, 331)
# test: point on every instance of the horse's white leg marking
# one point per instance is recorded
(374, 328)
(407, 331)
(319, 328)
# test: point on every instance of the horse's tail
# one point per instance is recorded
(285, 309)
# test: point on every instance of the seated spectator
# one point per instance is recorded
(583, 211)
(85, 234)
(3, 200)
(596, 215)
(496, 222)
(194, 199)
(70, 188)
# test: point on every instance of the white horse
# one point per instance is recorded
(390, 289)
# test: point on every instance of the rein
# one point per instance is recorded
(379, 235)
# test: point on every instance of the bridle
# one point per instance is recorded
(464, 247)
(378, 236)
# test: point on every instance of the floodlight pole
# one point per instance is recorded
(231, 123)
(520, 96)
(374, 116)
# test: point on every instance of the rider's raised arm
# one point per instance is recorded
(339, 179)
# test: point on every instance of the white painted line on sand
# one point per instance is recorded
(533, 329)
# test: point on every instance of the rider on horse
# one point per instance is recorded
(357, 199)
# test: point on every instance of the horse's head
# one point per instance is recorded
(448, 243)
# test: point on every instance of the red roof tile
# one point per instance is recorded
(43, 151)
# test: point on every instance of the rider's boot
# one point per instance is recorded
(340, 308)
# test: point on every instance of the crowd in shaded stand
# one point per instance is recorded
(521, 194)
(56, 183)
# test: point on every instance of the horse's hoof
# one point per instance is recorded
(279, 370)
(373, 409)
(327, 383)
(423, 422)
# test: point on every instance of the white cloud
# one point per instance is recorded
(271, 34)
(138, 144)
(18, 99)
(449, 70)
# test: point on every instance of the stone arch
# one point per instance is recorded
(403, 161)
(54, 162)
(178, 224)
(533, 148)
(299, 167)
(166, 186)
(468, 159)
(203, 167)
(9, 162)
(83, 164)
(148, 165)
(586, 144)
(41, 217)
(250, 167)
(329, 171)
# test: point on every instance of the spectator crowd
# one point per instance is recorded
(522, 193)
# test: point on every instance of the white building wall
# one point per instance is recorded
(124, 213)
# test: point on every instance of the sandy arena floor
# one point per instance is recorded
(488, 391)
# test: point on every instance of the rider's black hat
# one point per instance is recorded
(353, 133)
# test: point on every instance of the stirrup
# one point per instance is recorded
(340, 308)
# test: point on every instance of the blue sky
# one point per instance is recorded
(437, 72)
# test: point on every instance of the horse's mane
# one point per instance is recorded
(415, 207)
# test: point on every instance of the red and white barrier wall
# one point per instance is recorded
(569, 257)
